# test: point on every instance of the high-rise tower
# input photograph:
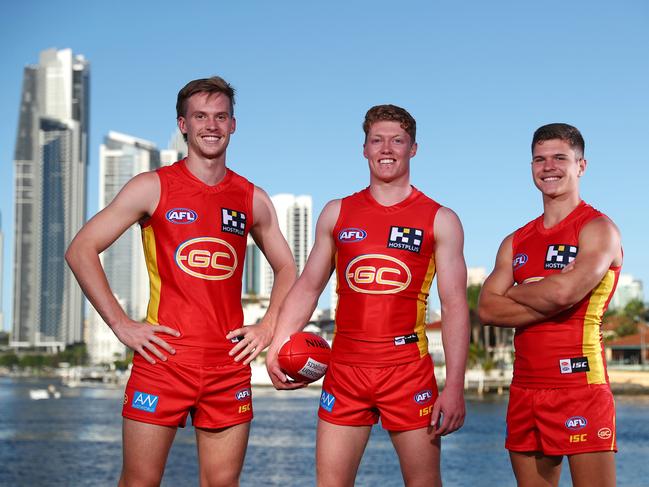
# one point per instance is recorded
(51, 159)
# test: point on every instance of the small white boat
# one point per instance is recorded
(49, 393)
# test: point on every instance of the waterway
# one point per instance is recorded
(76, 441)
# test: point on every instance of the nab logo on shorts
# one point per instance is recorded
(519, 260)
(243, 394)
(576, 423)
(145, 402)
(574, 365)
(405, 238)
(349, 235)
(423, 397)
(327, 401)
(233, 221)
(560, 255)
(181, 216)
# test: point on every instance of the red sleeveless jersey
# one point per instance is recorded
(195, 245)
(384, 268)
(565, 351)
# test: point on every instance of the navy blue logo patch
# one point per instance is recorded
(405, 238)
(349, 235)
(423, 397)
(519, 260)
(243, 394)
(181, 216)
(145, 402)
(327, 401)
(233, 221)
(559, 256)
(576, 423)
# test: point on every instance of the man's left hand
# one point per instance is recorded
(448, 411)
(254, 339)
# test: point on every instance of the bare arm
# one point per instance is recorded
(268, 237)
(303, 297)
(599, 248)
(451, 286)
(495, 307)
(136, 200)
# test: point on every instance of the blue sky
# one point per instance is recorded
(479, 77)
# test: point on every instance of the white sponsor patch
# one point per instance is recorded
(313, 369)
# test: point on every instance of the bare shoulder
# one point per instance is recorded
(262, 206)
(601, 235)
(141, 194)
(447, 225)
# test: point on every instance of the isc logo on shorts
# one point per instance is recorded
(207, 258)
(145, 402)
(243, 394)
(377, 274)
(349, 235)
(327, 401)
(181, 216)
(576, 423)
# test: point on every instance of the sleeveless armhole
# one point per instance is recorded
(145, 222)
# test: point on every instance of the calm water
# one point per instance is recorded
(76, 441)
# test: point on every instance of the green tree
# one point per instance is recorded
(9, 360)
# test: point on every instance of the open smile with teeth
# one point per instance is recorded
(387, 161)
(550, 179)
(211, 138)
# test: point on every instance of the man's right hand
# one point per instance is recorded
(279, 378)
(142, 338)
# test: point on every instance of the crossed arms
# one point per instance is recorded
(503, 304)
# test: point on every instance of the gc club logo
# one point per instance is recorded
(377, 274)
(181, 216)
(605, 433)
(207, 258)
(349, 235)
(576, 423)
(422, 397)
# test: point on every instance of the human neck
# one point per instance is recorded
(555, 209)
(209, 171)
(390, 193)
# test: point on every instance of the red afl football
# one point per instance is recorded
(304, 357)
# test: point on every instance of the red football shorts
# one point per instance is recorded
(217, 396)
(401, 395)
(561, 421)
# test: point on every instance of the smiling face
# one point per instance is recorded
(556, 168)
(208, 124)
(388, 149)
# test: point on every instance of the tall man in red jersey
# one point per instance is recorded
(385, 243)
(192, 352)
(552, 281)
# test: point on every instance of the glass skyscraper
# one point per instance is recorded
(51, 159)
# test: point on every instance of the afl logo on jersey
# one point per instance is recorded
(377, 274)
(207, 258)
(349, 235)
(519, 260)
(181, 216)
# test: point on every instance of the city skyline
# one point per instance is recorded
(478, 81)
